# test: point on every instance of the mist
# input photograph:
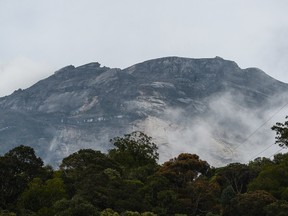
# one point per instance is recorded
(21, 73)
(227, 130)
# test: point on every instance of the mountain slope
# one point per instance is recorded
(186, 104)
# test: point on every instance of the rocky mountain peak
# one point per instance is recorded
(82, 107)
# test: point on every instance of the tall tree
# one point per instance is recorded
(17, 167)
(273, 178)
(278, 208)
(187, 175)
(134, 150)
(41, 195)
(237, 175)
(184, 169)
(250, 204)
(281, 133)
(87, 173)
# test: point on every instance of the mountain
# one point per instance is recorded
(206, 106)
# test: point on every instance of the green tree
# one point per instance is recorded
(237, 175)
(201, 197)
(260, 163)
(278, 208)
(153, 185)
(17, 167)
(281, 133)
(87, 171)
(250, 204)
(42, 195)
(148, 214)
(130, 213)
(6, 213)
(130, 196)
(134, 150)
(211, 214)
(166, 200)
(188, 176)
(184, 169)
(227, 195)
(273, 178)
(77, 206)
(83, 159)
(109, 212)
(25, 160)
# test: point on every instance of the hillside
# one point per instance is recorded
(206, 106)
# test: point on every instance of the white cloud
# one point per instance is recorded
(228, 131)
(20, 73)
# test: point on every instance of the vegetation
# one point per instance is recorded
(127, 181)
(281, 132)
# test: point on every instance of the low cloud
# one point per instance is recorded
(20, 73)
(227, 131)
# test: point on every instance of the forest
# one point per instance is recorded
(128, 181)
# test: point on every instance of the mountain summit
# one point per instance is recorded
(206, 106)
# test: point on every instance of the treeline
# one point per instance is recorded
(128, 181)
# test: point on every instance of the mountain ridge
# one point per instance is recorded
(85, 106)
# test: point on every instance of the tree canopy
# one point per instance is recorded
(281, 133)
(134, 150)
(128, 181)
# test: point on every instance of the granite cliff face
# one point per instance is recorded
(195, 105)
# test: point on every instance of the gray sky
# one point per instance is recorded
(39, 37)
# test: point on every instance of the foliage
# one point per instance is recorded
(6, 213)
(134, 150)
(211, 214)
(260, 163)
(237, 175)
(278, 208)
(281, 133)
(128, 181)
(188, 174)
(273, 178)
(130, 213)
(40, 195)
(86, 170)
(17, 168)
(74, 207)
(251, 203)
(148, 214)
(227, 195)
(184, 169)
(109, 212)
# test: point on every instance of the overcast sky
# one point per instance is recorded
(39, 37)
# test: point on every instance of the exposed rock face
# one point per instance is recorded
(167, 98)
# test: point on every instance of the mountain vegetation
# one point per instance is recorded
(128, 181)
